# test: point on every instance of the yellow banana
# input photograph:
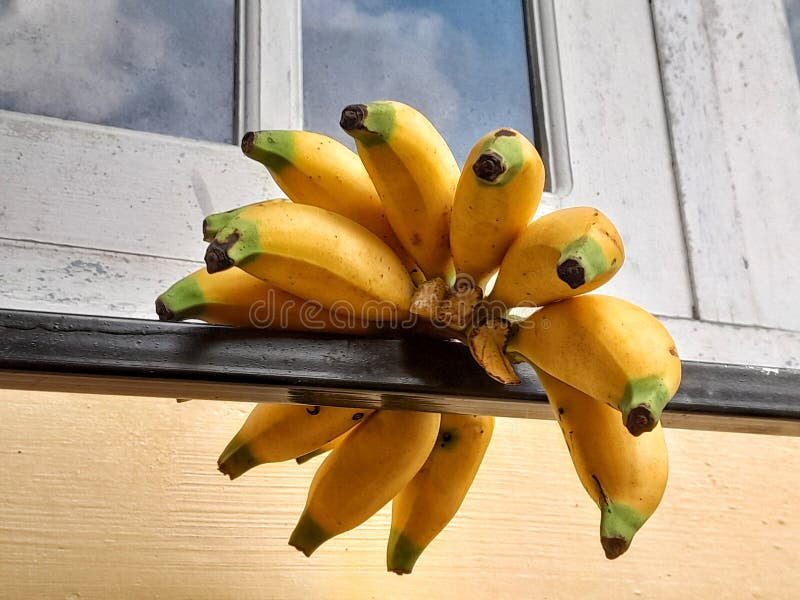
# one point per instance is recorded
(562, 254)
(498, 193)
(427, 504)
(625, 475)
(322, 449)
(234, 297)
(415, 174)
(608, 348)
(315, 169)
(277, 432)
(318, 255)
(363, 473)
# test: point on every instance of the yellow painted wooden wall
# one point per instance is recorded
(113, 497)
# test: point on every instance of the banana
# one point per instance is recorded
(234, 297)
(562, 254)
(318, 255)
(626, 476)
(278, 432)
(319, 451)
(214, 222)
(497, 195)
(415, 174)
(315, 169)
(427, 504)
(607, 348)
(363, 473)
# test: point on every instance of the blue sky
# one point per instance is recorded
(168, 66)
(149, 65)
(464, 64)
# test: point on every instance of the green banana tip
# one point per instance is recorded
(618, 524)
(236, 459)
(401, 554)
(208, 231)
(307, 535)
(642, 402)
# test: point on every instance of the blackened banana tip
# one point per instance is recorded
(164, 313)
(488, 166)
(205, 230)
(640, 420)
(217, 258)
(571, 272)
(353, 117)
(248, 141)
(614, 546)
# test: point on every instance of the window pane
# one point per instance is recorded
(793, 15)
(462, 63)
(165, 67)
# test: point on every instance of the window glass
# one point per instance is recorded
(793, 15)
(165, 67)
(464, 64)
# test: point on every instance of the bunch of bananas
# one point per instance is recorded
(398, 239)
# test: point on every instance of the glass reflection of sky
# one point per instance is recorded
(462, 63)
(165, 67)
(793, 16)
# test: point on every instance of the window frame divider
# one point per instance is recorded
(138, 357)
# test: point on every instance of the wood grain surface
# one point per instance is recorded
(733, 98)
(118, 497)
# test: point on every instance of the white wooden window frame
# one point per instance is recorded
(99, 219)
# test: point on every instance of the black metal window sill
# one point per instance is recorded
(97, 355)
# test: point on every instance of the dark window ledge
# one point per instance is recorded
(86, 354)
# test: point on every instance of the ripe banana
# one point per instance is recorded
(319, 451)
(236, 298)
(562, 254)
(415, 174)
(608, 348)
(315, 169)
(317, 255)
(427, 504)
(363, 473)
(497, 195)
(625, 475)
(277, 432)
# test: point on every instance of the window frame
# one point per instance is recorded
(87, 354)
(269, 92)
